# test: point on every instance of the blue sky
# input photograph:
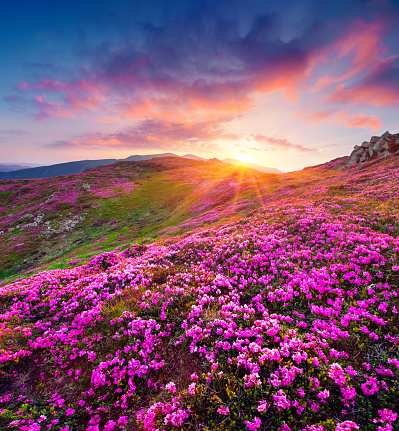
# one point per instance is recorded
(282, 83)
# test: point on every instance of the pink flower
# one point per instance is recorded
(323, 395)
(386, 416)
(109, 426)
(281, 401)
(223, 410)
(191, 388)
(371, 386)
(252, 380)
(346, 426)
(69, 412)
(171, 387)
(348, 392)
(263, 406)
(122, 421)
(254, 425)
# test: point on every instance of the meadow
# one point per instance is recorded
(221, 299)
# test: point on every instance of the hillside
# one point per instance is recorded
(245, 301)
(253, 166)
(13, 172)
(44, 220)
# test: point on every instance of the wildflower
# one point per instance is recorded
(386, 415)
(191, 389)
(348, 392)
(263, 406)
(323, 395)
(252, 380)
(122, 421)
(371, 386)
(281, 401)
(346, 426)
(254, 425)
(171, 387)
(223, 410)
(109, 426)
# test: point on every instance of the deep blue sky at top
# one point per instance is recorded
(286, 83)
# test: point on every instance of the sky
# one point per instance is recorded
(281, 83)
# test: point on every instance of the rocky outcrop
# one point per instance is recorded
(378, 146)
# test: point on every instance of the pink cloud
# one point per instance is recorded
(343, 118)
(156, 134)
(279, 143)
(375, 94)
(362, 46)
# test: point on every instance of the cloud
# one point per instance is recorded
(158, 134)
(196, 62)
(362, 47)
(280, 144)
(207, 60)
(380, 87)
(13, 132)
(153, 133)
(343, 118)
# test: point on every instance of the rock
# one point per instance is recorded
(386, 135)
(379, 146)
(364, 157)
(393, 147)
(353, 158)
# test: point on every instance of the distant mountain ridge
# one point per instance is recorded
(79, 166)
(253, 166)
(9, 167)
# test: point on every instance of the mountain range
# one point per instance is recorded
(81, 165)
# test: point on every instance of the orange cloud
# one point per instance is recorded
(363, 45)
(343, 118)
(376, 94)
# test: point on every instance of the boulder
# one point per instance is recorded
(379, 146)
(353, 158)
(364, 157)
(386, 135)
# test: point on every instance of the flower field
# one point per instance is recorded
(283, 319)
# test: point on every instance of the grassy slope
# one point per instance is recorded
(323, 241)
(112, 206)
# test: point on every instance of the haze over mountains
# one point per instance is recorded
(68, 168)
(9, 167)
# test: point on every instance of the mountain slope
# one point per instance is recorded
(285, 318)
(9, 167)
(55, 170)
(253, 166)
(109, 206)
